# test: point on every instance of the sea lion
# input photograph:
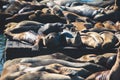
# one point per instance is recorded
(24, 26)
(83, 10)
(43, 76)
(72, 17)
(19, 17)
(46, 18)
(43, 62)
(16, 70)
(93, 3)
(87, 57)
(81, 26)
(29, 37)
(109, 40)
(32, 7)
(51, 27)
(109, 25)
(49, 56)
(14, 7)
(92, 40)
(60, 69)
(112, 74)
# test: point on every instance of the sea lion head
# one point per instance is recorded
(52, 40)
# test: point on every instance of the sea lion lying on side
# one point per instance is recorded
(46, 18)
(29, 37)
(50, 56)
(60, 69)
(109, 40)
(112, 74)
(23, 26)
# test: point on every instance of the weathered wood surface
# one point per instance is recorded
(15, 49)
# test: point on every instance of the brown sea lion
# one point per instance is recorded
(29, 37)
(88, 57)
(112, 74)
(109, 25)
(72, 17)
(81, 26)
(60, 69)
(16, 70)
(92, 40)
(23, 26)
(109, 40)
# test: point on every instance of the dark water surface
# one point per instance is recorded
(2, 47)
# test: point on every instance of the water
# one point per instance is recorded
(2, 47)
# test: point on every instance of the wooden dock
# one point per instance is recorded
(15, 49)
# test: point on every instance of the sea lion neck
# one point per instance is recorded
(115, 71)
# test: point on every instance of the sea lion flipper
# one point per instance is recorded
(35, 47)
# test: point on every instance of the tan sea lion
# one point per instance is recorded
(70, 71)
(49, 56)
(29, 37)
(16, 70)
(92, 40)
(109, 40)
(43, 76)
(23, 26)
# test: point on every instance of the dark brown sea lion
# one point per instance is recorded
(46, 18)
(19, 17)
(112, 74)
(32, 7)
(51, 27)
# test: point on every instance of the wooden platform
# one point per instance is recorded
(15, 49)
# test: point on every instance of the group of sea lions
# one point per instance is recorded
(54, 24)
(58, 66)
